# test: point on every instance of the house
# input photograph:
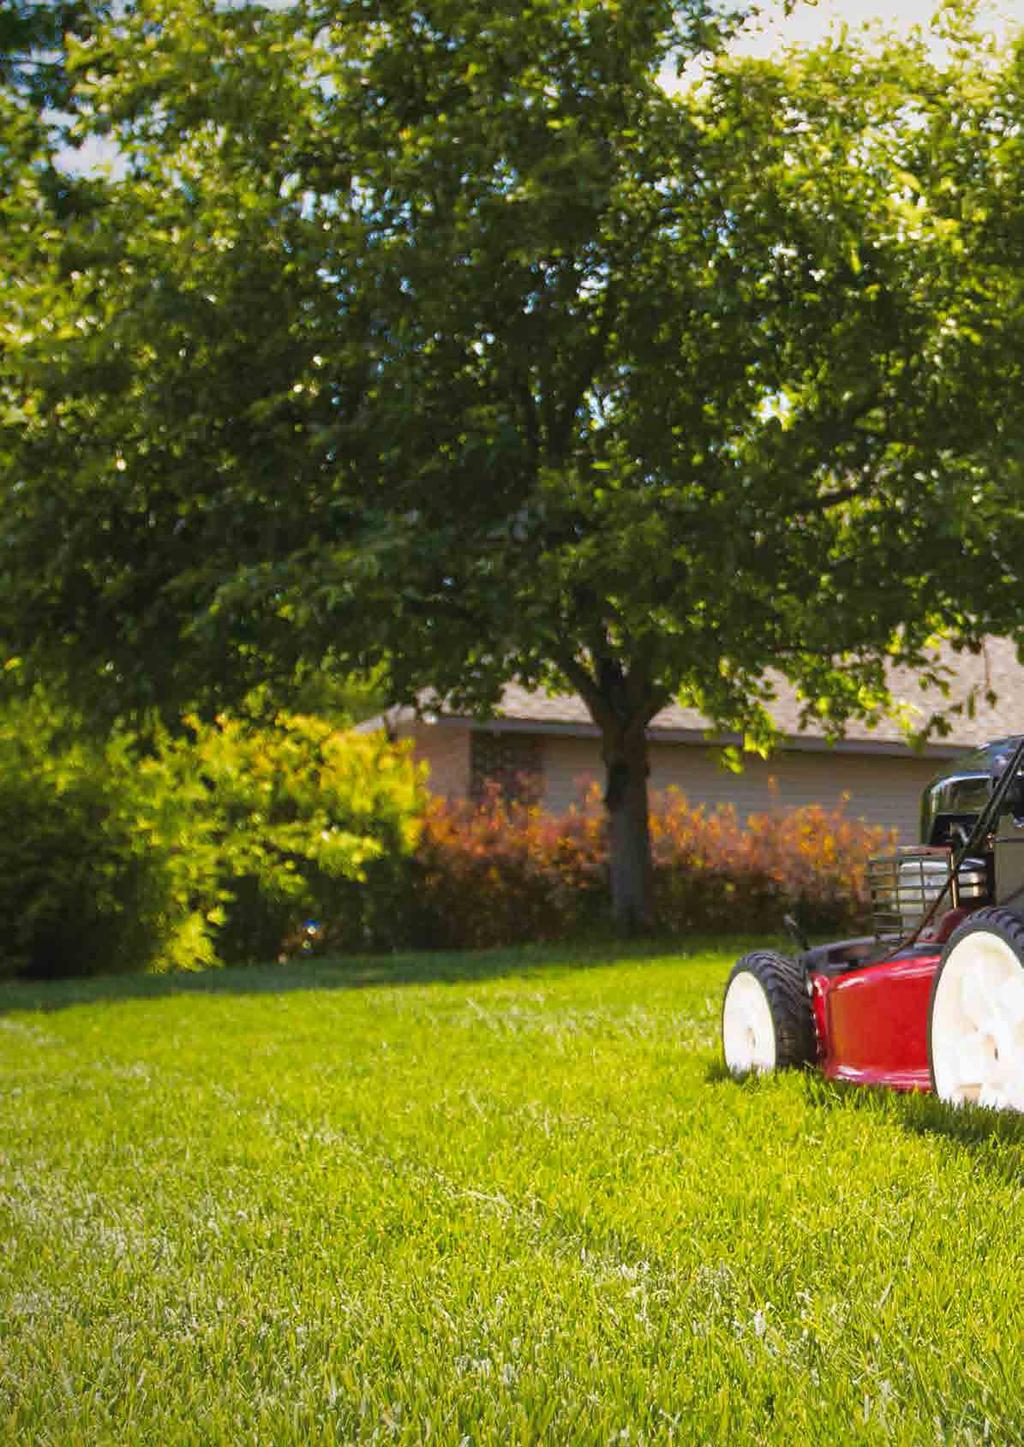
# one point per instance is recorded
(551, 742)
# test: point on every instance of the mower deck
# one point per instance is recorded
(871, 1020)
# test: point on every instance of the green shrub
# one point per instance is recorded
(197, 850)
(303, 822)
(81, 891)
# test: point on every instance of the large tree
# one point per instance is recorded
(33, 46)
(443, 333)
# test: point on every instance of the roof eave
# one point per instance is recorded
(801, 743)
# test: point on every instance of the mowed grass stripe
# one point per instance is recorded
(507, 1196)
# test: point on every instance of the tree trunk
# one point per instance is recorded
(629, 838)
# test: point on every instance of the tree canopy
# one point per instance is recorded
(446, 334)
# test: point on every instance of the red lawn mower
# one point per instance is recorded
(934, 998)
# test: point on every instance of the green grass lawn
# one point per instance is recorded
(491, 1197)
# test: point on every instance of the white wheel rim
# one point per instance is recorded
(748, 1031)
(977, 1027)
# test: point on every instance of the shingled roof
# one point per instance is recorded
(996, 668)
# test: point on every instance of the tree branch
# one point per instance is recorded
(584, 685)
(833, 499)
(593, 354)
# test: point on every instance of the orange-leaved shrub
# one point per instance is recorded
(715, 872)
(501, 871)
(504, 872)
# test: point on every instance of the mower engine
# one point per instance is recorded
(904, 886)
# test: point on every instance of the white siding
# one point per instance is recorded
(883, 790)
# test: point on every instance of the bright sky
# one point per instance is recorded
(809, 22)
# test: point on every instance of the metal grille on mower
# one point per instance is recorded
(904, 885)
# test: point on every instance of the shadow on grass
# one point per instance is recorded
(357, 972)
(994, 1137)
(718, 1073)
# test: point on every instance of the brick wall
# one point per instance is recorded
(514, 762)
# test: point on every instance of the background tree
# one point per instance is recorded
(444, 334)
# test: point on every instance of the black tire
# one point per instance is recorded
(783, 984)
(1006, 926)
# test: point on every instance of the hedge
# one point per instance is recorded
(502, 872)
(238, 841)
